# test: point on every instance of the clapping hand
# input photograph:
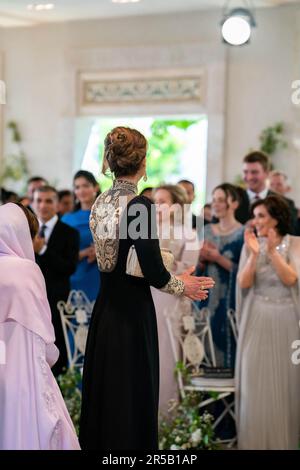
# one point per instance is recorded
(251, 242)
(196, 287)
(209, 252)
(91, 254)
(38, 243)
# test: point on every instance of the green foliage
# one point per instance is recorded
(271, 139)
(16, 135)
(181, 367)
(164, 149)
(214, 395)
(186, 428)
(70, 384)
(183, 428)
(163, 153)
(15, 167)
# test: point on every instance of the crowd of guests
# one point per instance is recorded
(63, 247)
(251, 249)
(249, 246)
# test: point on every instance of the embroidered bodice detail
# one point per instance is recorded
(105, 222)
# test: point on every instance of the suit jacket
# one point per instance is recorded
(59, 261)
(57, 264)
(242, 214)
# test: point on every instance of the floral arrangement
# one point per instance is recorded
(70, 386)
(185, 427)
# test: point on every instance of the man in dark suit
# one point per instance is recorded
(35, 182)
(255, 175)
(189, 188)
(56, 249)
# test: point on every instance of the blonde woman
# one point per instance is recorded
(181, 240)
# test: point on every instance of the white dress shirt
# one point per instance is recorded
(253, 196)
(48, 231)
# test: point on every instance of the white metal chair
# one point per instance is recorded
(231, 315)
(192, 331)
(75, 316)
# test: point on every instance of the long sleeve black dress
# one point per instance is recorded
(121, 371)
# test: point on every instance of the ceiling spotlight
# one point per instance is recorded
(236, 26)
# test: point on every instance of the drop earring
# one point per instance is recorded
(145, 177)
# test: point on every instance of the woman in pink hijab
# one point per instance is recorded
(33, 415)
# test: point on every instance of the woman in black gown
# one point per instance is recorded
(121, 371)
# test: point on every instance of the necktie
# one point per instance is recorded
(42, 231)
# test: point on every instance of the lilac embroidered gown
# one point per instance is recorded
(33, 415)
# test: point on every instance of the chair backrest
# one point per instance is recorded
(75, 316)
(189, 328)
(231, 315)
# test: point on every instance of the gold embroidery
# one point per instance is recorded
(175, 286)
(105, 219)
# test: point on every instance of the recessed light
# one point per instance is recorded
(40, 6)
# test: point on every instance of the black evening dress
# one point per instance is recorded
(121, 370)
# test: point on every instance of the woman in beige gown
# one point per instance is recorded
(182, 241)
(268, 382)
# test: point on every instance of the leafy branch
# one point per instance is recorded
(271, 139)
(16, 167)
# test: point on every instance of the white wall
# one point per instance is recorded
(40, 64)
(259, 90)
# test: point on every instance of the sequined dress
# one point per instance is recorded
(268, 382)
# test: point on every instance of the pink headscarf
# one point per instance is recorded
(23, 296)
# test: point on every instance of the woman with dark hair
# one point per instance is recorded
(147, 192)
(65, 202)
(219, 258)
(121, 368)
(33, 414)
(268, 382)
(87, 277)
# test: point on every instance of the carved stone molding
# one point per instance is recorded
(204, 63)
(98, 90)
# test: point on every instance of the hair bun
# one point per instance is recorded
(124, 150)
(121, 136)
